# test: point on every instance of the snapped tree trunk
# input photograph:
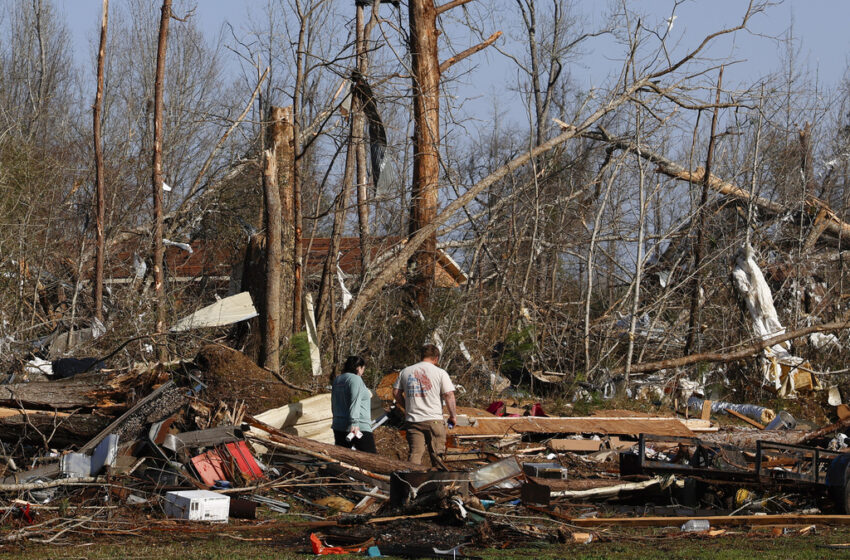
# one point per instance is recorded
(426, 142)
(280, 140)
(98, 168)
(158, 249)
(270, 322)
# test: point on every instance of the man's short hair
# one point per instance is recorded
(430, 351)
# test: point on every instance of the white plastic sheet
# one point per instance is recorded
(779, 365)
(223, 312)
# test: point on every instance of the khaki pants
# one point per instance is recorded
(431, 433)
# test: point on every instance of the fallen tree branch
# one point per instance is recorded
(828, 220)
(79, 481)
(374, 466)
(839, 426)
(746, 352)
(271, 441)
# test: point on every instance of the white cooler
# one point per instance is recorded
(197, 505)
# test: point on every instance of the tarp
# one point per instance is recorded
(223, 312)
(312, 335)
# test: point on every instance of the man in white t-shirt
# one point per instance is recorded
(422, 388)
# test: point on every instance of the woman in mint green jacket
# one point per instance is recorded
(351, 404)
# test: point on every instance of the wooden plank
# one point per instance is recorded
(714, 521)
(574, 445)
(498, 427)
(619, 445)
(705, 414)
(746, 419)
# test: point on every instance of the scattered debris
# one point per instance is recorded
(221, 440)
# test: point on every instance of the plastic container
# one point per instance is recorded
(783, 421)
(696, 526)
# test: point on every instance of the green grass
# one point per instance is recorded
(635, 546)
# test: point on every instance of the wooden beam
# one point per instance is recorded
(746, 419)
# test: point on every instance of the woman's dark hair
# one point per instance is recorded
(352, 363)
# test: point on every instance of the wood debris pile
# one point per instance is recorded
(168, 458)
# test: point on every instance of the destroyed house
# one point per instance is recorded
(207, 261)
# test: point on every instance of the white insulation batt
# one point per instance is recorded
(310, 418)
(223, 312)
(781, 370)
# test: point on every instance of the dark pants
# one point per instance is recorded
(365, 443)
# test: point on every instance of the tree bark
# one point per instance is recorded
(85, 391)
(426, 142)
(60, 428)
(358, 125)
(270, 322)
(281, 141)
(98, 167)
(158, 249)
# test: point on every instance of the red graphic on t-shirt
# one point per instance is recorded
(419, 385)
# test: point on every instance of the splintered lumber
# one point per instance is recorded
(367, 461)
(714, 520)
(498, 427)
(107, 393)
(80, 481)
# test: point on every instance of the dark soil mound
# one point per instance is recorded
(232, 376)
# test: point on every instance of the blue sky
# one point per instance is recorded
(820, 26)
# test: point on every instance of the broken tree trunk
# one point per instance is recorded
(59, 428)
(426, 142)
(87, 391)
(280, 139)
(368, 461)
(269, 322)
(158, 249)
(358, 125)
(98, 168)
